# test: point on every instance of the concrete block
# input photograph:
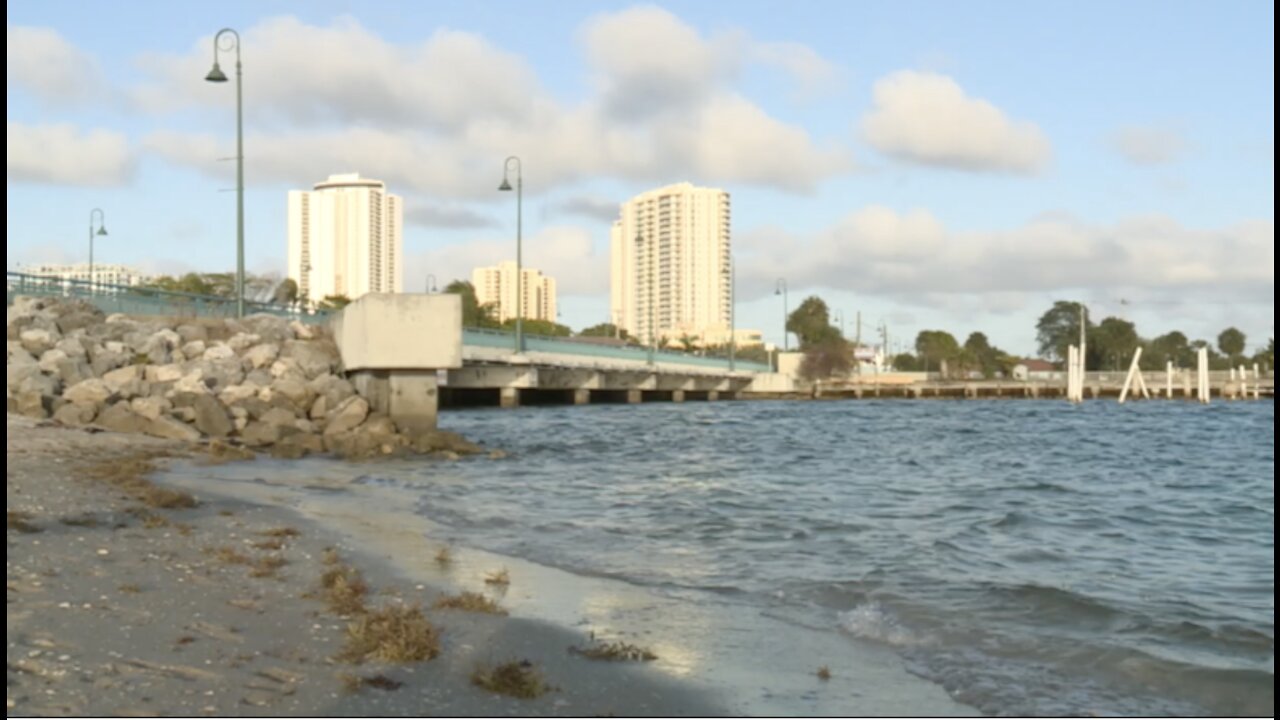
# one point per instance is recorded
(390, 331)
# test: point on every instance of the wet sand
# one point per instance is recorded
(118, 610)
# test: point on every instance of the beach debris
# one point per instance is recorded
(394, 634)
(267, 566)
(281, 532)
(518, 679)
(613, 651)
(331, 557)
(21, 521)
(470, 602)
(181, 672)
(344, 590)
(217, 632)
(824, 673)
(355, 683)
(498, 577)
(444, 556)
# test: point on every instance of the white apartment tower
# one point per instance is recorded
(670, 262)
(496, 284)
(345, 238)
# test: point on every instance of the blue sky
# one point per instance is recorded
(931, 165)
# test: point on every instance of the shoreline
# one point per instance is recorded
(116, 610)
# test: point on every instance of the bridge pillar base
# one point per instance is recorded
(582, 397)
(713, 395)
(409, 397)
(634, 396)
(677, 396)
(509, 397)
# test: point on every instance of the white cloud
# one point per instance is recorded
(912, 256)
(45, 64)
(429, 214)
(63, 155)
(439, 117)
(1148, 145)
(563, 252)
(927, 118)
(810, 71)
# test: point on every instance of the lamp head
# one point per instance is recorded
(216, 74)
(505, 186)
(102, 230)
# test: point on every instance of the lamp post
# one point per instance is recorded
(840, 314)
(781, 289)
(102, 230)
(431, 284)
(649, 274)
(506, 186)
(216, 75)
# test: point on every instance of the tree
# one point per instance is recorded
(334, 302)
(473, 313)
(987, 358)
(604, 330)
(1267, 356)
(1170, 347)
(906, 362)
(286, 293)
(1231, 342)
(811, 323)
(540, 327)
(936, 347)
(747, 353)
(1115, 340)
(1059, 327)
(829, 358)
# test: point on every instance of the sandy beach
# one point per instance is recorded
(116, 607)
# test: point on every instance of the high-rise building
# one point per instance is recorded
(345, 238)
(671, 272)
(496, 285)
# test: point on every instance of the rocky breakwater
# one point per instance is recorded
(261, 382)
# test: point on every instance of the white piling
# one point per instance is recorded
(1133, 370)
(1257, 380)
(1168, 380)
(1202, 375)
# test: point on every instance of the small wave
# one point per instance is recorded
(871, 621)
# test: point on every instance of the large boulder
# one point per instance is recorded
(211, 417)
(233, 394)
(28, 378)
(242, 341)
(260, 434)
(38, 341)
(261, 355)
(192, 382)
(347, 416)
(270, 328)
(193, 349)
(220, 351)
(301, 330)
(120, 377)
(219, 374)
(294, 389)
(443, 441)
(75, 414)
(297, 445)
(314, 357)
(50, 358)
(72, 370)
(120, 418)
(159, 346)
(171, 428)
(150, 407)
(32, 403)
(93, 392)
(74, 347)
(190, 332)
(19, 355)
(164, 373)
(279, 416)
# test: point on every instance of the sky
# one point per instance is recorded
(920, 165)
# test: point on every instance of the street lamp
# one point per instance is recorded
(431, 283)
(781, 289)
(840, 314)
(506, 186)
(102, 230)
(216, 75)
(649, 274)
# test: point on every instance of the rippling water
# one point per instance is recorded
(1031, 557)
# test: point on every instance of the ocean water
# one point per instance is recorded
(1029, 557)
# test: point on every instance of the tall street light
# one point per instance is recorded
(102, 230)
(781, 289)
(649, 274)
(216, 75)
(506, 186)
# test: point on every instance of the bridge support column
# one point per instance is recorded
(713, 395)
(582, 397)
(634, 396)
(509, 397)
(677, 396)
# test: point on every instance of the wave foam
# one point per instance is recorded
(872, 622)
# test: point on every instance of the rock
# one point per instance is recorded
(75, 414)
(220, 374)
(117, 379)
(73, 347)
(159, 346)
(103, 360)
(260, 434)
(294, 389)
(236, 393)
(287, 367)
(19, 355)
(28, 378)
(315, 357)
(38, 341)
(190, 333)
(225, 452)
(240, 422)
(219, 352)
(279, 416)
(166, 426)
(449, 455)
(92, 392)
(211, 417)
(192, 382)
(193, 349)
(164, 373)
(497, 454)
(73, 370)
(301, 330)
(120, 418)
(347, 416)
(242, 341)
(50, 358)
(185, 414)
(261, 355)
(32, 403)
(297, 445)
(319, 408)
(260, 377)
(150, 407)
(439, 440)
(270, 328)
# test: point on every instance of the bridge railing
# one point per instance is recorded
(139, 300)
(485, 337)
